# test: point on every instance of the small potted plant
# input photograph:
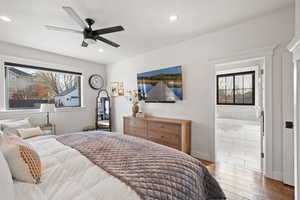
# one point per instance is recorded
(132, 97)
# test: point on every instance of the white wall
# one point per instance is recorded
(297, 19)
(248, 113)
(198, 76)
(66, 120)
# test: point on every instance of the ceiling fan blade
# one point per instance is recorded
(75, 17)
(108, 30)
(56, 28)
(108, 41)
(84, 44)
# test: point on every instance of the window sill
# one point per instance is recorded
(37, 111)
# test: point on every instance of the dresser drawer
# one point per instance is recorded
(173, 133)
(164, 137)
(164, 128)
(134, 131)
(135, 122)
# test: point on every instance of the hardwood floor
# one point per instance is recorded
(243, 184)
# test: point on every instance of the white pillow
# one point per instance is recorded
(29, 132)
(10, 128)
(24, 163)
(39, 138)
(6, 182)
(6, 120)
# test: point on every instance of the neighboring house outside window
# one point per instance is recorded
(19, 80)
(28, 86)
(236, 88)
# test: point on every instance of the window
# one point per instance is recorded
(27, 87)
(236, 89)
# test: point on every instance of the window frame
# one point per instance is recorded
(13, 64)
(233, 75)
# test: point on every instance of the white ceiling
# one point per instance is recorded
(146, 23)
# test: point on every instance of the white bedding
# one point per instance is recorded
(67, 175)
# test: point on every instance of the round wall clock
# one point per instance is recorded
(96, 81)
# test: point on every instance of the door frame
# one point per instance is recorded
(297, 123)
(294, 47)
(265, 54)
(288, 115)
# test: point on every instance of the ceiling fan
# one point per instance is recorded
(90, 36)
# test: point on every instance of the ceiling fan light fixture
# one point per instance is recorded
(100, 50)
(90, 41)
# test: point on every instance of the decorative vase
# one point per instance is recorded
(135, 109)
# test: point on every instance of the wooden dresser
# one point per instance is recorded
(174, 133)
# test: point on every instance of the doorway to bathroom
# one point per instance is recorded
(239, 117)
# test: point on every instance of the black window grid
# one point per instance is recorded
(233, 75)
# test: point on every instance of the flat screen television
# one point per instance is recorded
(160, 86)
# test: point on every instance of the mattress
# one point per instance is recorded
(69, 175)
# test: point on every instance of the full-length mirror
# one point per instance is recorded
(103, 114)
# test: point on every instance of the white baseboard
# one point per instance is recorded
(201, 155)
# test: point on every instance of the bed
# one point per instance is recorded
(110, 166)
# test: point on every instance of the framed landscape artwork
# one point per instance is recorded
(161, 86)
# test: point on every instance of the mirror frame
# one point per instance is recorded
(97, 109)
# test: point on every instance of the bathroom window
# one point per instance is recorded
(236, 88)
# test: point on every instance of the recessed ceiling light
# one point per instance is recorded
(173, 18)
(101, 50)
(4, 18)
